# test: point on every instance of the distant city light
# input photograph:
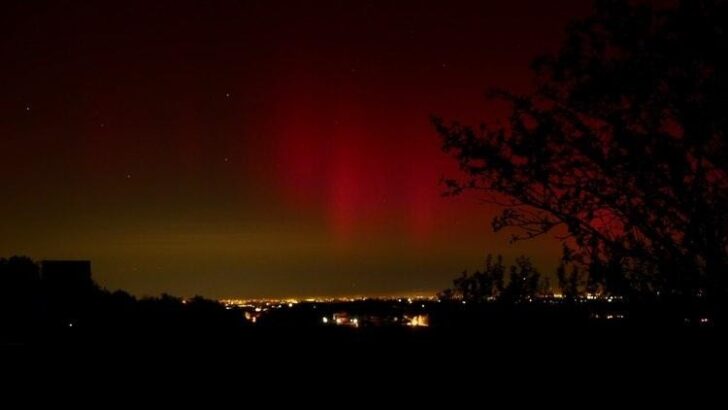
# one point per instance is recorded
(419, 321)
(403, 313)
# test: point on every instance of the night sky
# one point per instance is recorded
(256, 148)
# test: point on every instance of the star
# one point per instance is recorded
(227, 95)
(27, 108)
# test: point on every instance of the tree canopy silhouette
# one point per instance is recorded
(620, 149)
(58, 301)
(524, 282)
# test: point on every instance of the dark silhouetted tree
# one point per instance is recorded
(621, 147)
(20, 296)
(544, 287)
(40, 304)
(524, 281)
(19, 278)
(481, 286)
(571, 282)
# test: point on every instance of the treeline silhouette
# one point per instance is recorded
(62, 301)
(519, 290)
(58, 302)
(524, 281)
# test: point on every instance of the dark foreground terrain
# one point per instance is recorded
(57, 309)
